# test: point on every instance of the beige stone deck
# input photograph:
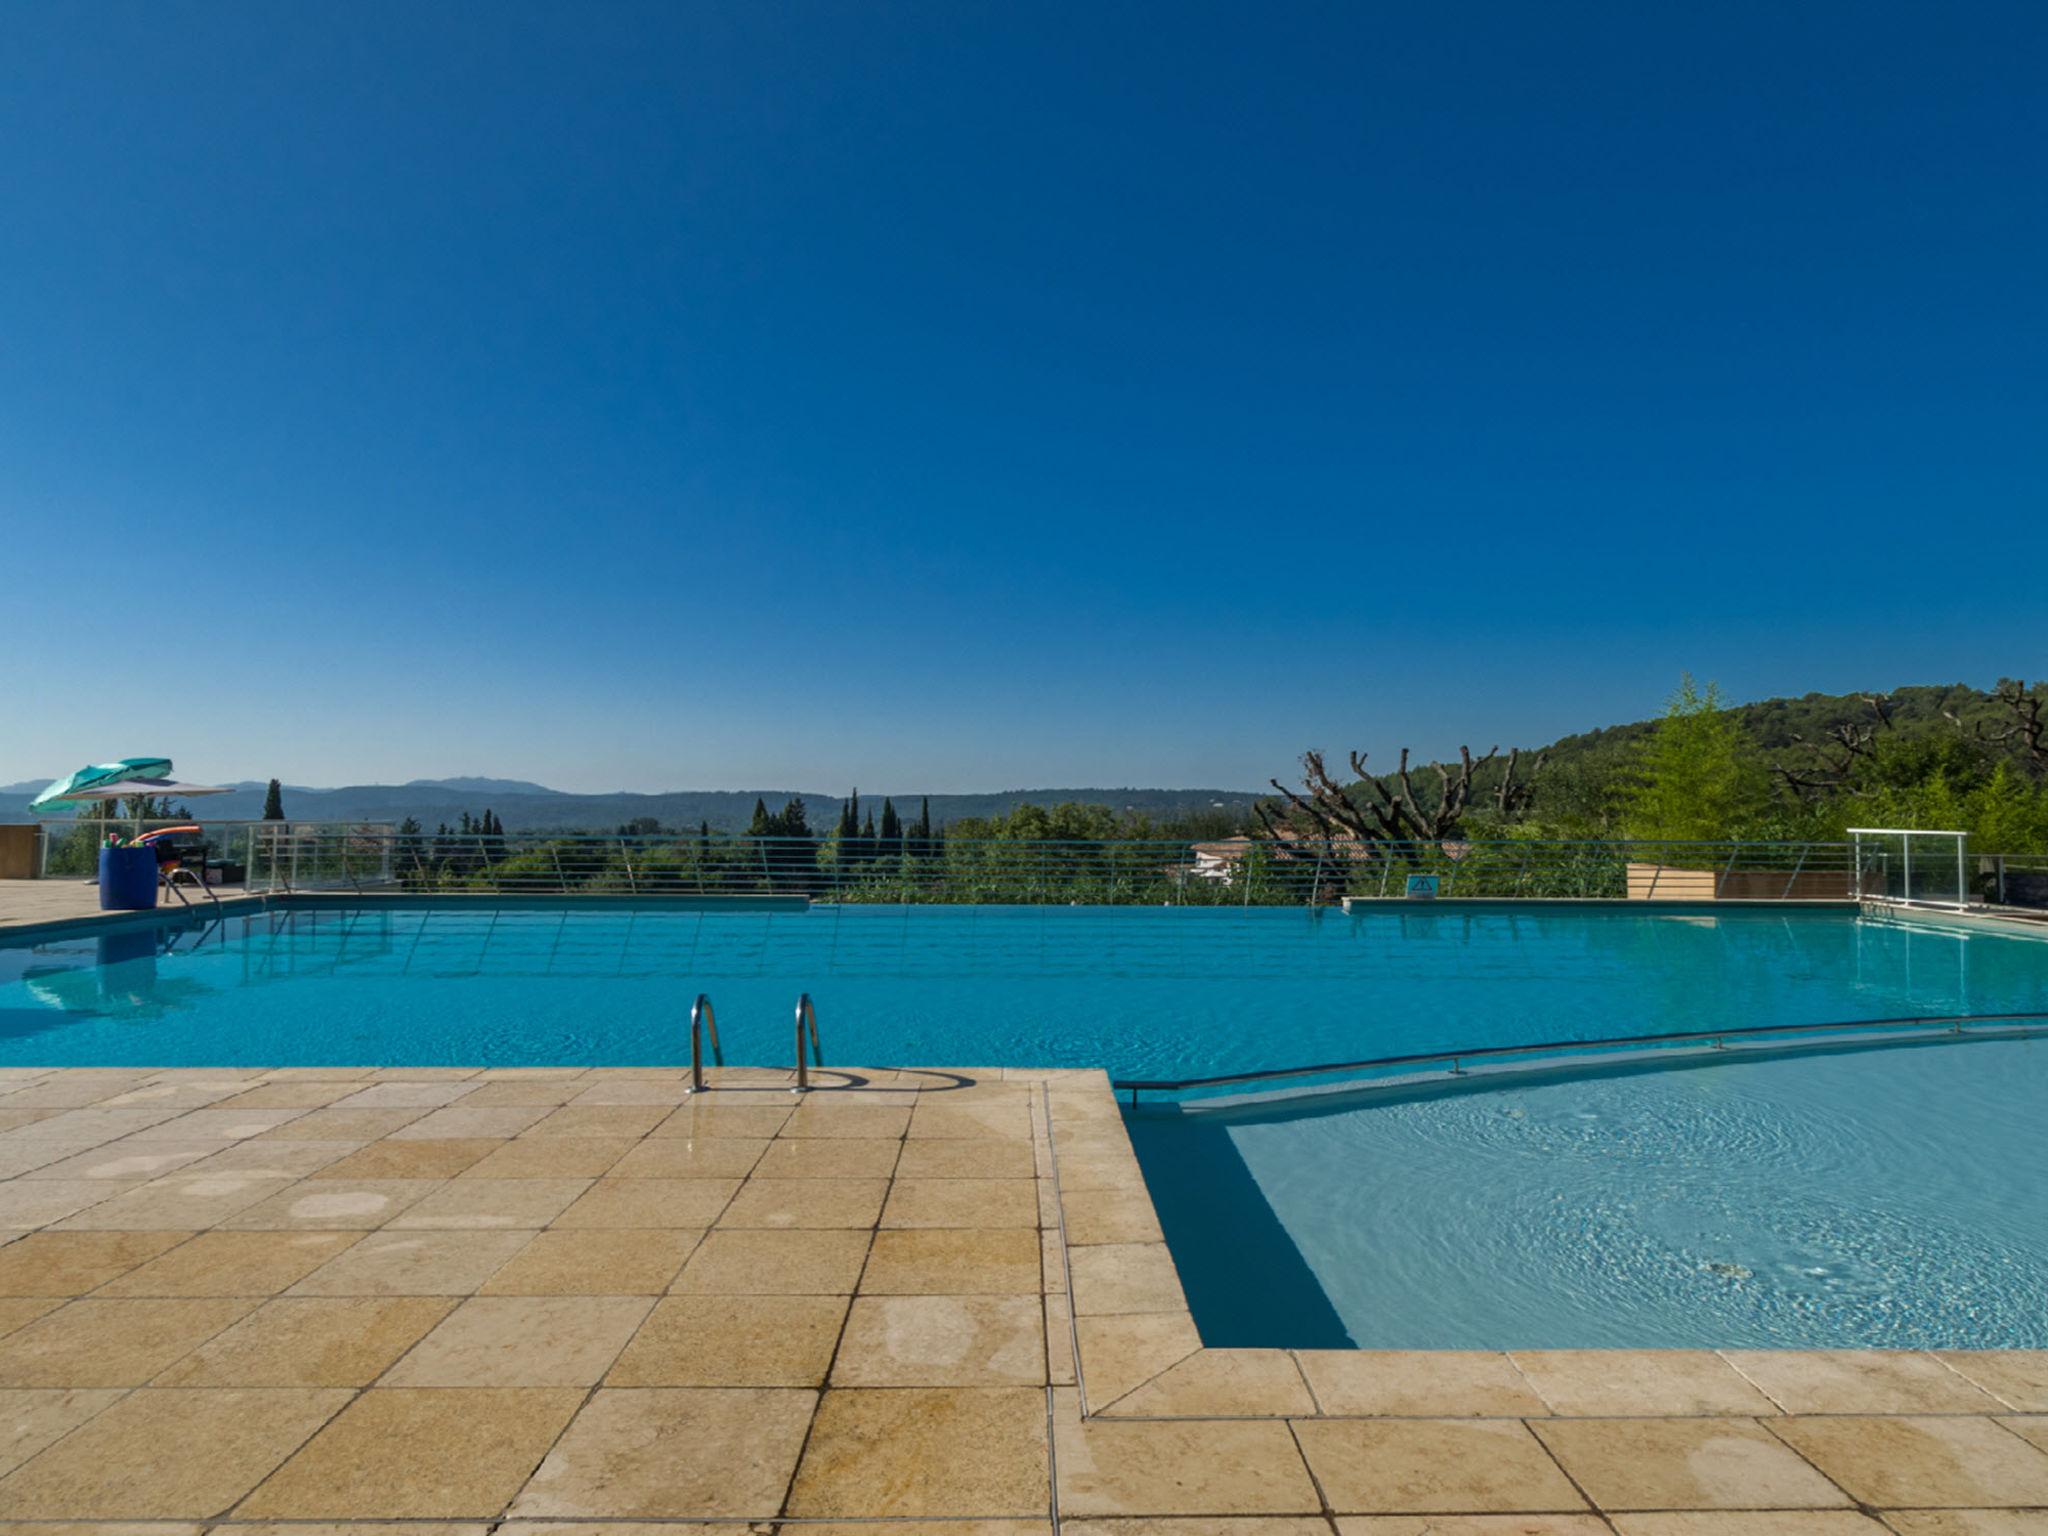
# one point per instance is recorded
(551, 1298)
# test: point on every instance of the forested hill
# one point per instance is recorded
(1781, 725)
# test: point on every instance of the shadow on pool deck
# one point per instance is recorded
(1247, 1284)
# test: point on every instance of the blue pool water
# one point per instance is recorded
(1143, 991)
(1875, 1198)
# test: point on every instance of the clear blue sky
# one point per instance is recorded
(952, 396)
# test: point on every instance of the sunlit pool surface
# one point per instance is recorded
(1143, 991)
(1881, 1198)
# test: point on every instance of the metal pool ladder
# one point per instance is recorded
(701, 1016)
(806, 1021)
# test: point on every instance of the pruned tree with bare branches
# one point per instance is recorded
(1391, 816)
(1836, 758)
(2025, 734)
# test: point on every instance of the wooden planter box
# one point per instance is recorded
(18, 851)
(1664, 882)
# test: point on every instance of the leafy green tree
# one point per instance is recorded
(1697, 777)
(273, 802)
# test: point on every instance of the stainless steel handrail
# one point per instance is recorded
(701, 1015)
(806, 1015)
(1954, 1023)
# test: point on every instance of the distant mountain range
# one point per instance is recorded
(526, 806)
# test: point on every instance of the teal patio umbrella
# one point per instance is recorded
(76, 790)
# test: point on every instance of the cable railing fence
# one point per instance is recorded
(286, 856)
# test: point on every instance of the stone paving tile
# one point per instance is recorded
(393, 1159)
(414, 1264)
(961, 1203)
(1420, 1383)
(1121, 1215)
(711, 1157)
(942, 1341)
(897, 1452)
(72, 1263)
(342, 1341)
(1222, 1383)
(398, 1453)
(1967, 1522)
(461, 1121)
(123, 1161)
(299, 1094)
(587, 1120)
(1426, 1466)
(814, 1203)
(18, 1312)
(352, 1124)
(951, 1262)
(190, 1200)
(677, 1452)
(551, 1092)
(667, 1091)
(29, 1203)
(1473, 1525)
(1002, 1119)
(522, 1341)
(32, 1420)
(733, 1341)
(111, 1343)
(1177, 1467)
(1750, 1522)
(595, 1262)
(488, 1203)
(1124, 1277)
(1859, 1381)
(425, 1093)
(2029, 1427)
(761, 1262)
(548, 1157)
(2016, 1377)
(698, 1120)
(218, 1125)
(979, 1158)
(1618, 1382)
(158, 1454)
(1702, 1463)
(232, 1264)
(690, 1203)
(840, 1157)
(1121, 1353)
(1922, 1462)
(360, 1205)
(1242, 1525)
(263, 1158)
(846, 1120)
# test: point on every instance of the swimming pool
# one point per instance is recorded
(1879, 1197)
(1144, 991)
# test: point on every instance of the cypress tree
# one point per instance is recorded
(892, 828)
(759, 826)
(273, 802)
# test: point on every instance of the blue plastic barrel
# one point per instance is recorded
(127, 879)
